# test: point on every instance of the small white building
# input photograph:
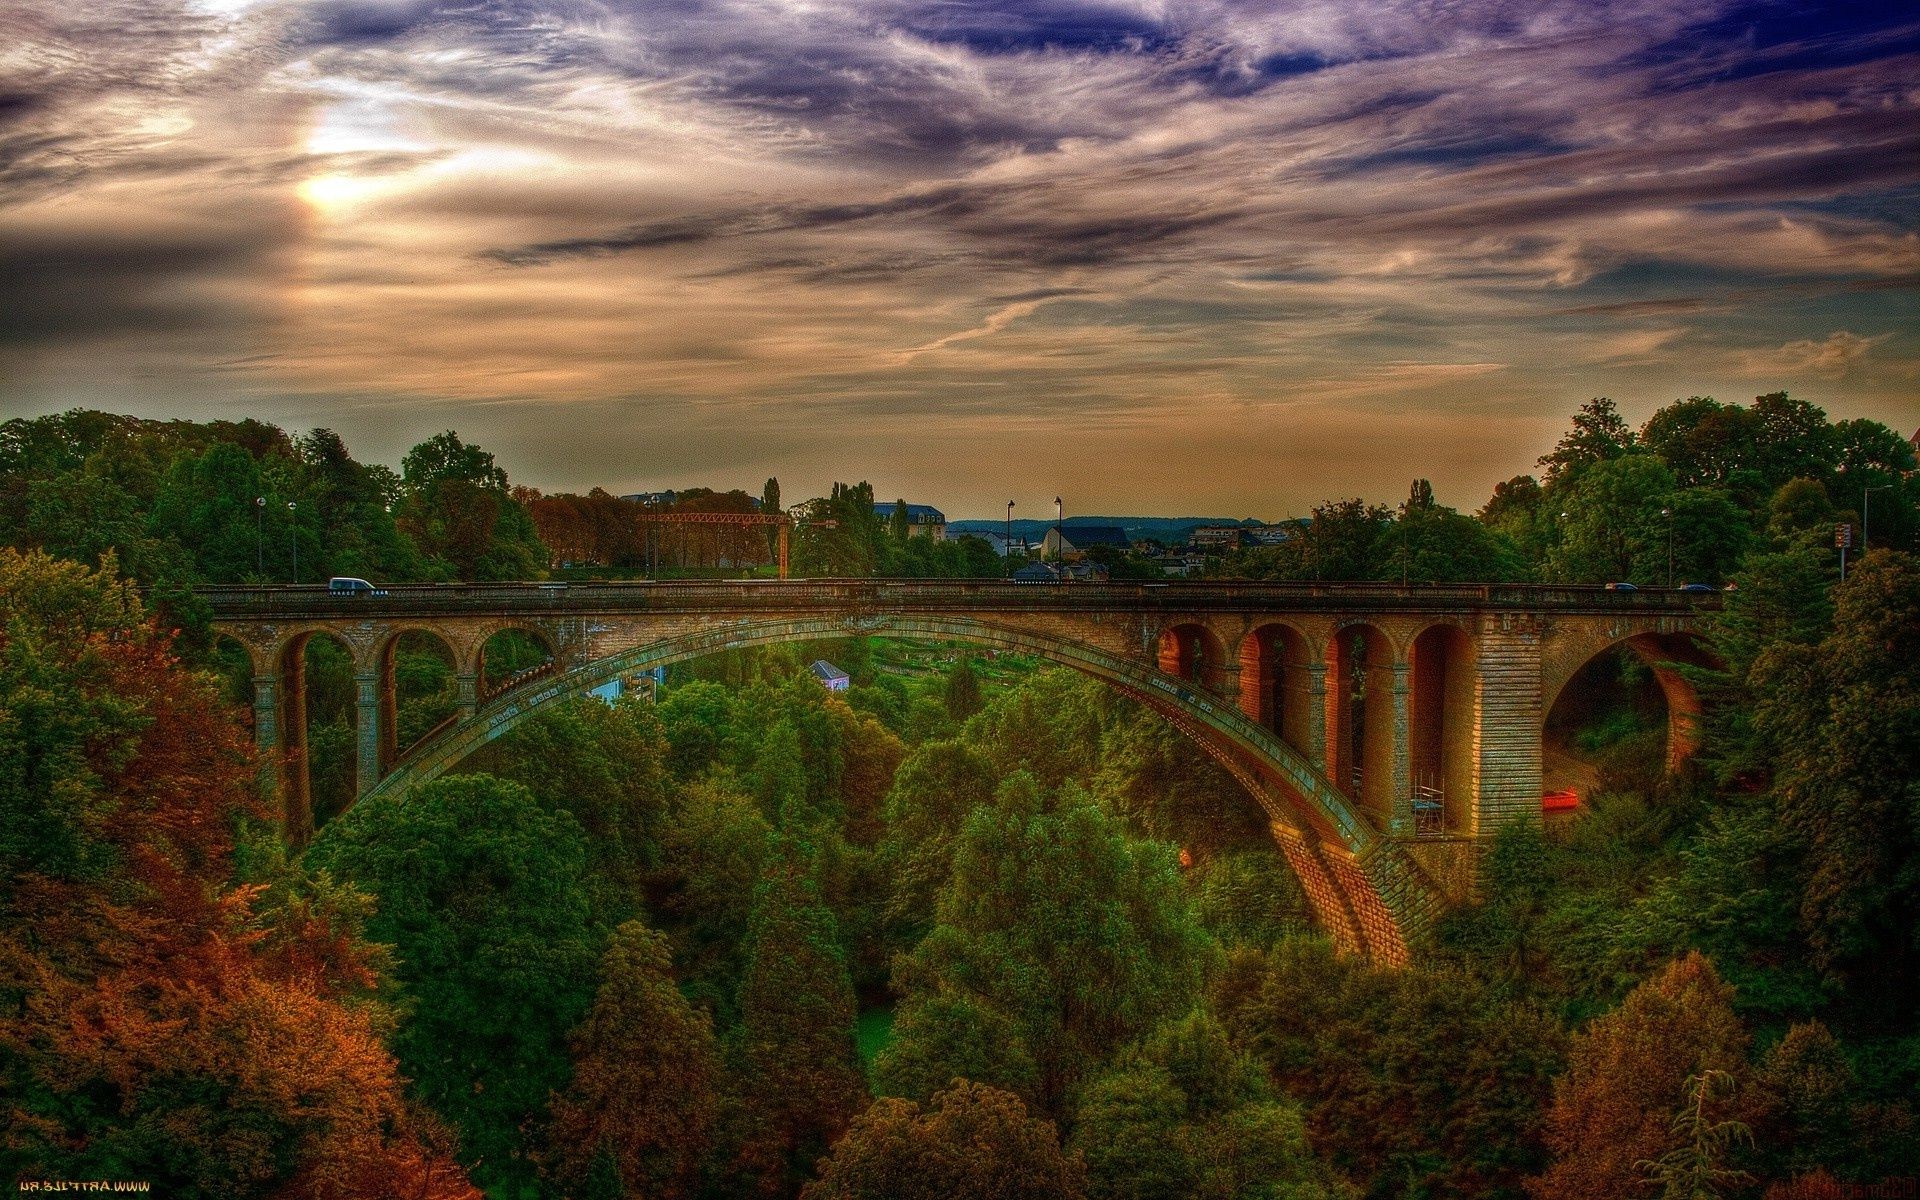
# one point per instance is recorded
(831, 677)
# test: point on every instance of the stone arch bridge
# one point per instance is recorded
(1384, 729)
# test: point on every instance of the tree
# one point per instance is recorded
(770, 506)
(1414, 1081)
(963, 690)
(482, 896)
(643, 1094)
(933, 791)
(1615, 1107)
(1793, 440)
(1186, 1116)
(456, 507)
(1599, 434)
(1702, 441)
(1612, 526)
(716, 848)
(1841, 720)
(606, 766)
(1692, 1170)
(967, 1141)
(792, 1061)
(1078, 935)
(162, 1023)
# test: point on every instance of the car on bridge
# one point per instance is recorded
(347, 585)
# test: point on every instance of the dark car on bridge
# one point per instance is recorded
(347, 585)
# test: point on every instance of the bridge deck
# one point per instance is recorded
(315, 601)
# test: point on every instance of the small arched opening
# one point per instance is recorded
(513, 655)
(1360, 742)
(1193, 652)
(419, 692)
(318, 732)
(1443, 678)
(1276, 683)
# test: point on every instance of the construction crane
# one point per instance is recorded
(784, 522)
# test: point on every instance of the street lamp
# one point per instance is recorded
(1668, 514)
(1865, 494)
(1006, 545)
(1059, 542)
(293, 536)
(259, 536)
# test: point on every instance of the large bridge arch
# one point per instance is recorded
(1368, 895)
(1664, 651)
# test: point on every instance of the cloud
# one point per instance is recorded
(1832, 357)
(808, 217)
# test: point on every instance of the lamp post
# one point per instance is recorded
(293, 536)
(1059, 543)
(1866, 493)
(1668, 514)
(260, 536)
(1006, 545)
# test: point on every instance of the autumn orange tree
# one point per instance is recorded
(1627, 1076)
(154, 1023)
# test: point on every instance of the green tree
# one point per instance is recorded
(968, 1141)
(1414, 1081)
(1842, 719)
(1186, 1116)
(481, 895)
(1599, 434)
(932, 793)
(456, 507)
(793, 1064)
(606, 766)
(1611, 525)
(1079, 935)
(963, 690)
(645, 1078)
(1702, 441)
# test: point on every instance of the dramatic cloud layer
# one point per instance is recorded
(1223, 256)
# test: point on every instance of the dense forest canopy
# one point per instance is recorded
(971, 927)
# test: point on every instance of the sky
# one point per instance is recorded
(1158, 257)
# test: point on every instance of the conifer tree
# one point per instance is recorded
(795, 1074)
(645, 1073)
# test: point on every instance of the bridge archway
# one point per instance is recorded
(1367, 893)
(1277, 688)
(1364, 673)
(1191, 651)
(510, 654)
(1665, 656)
(416, 701)
(337, 697)
(1443, 676)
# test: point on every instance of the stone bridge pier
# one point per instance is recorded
(1385, 731)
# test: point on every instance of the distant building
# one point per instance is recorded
(1215, 537)
(1036, 572)
(644, 684)
(1267, 535)
(1181, 565)
(921, 518)
(1068, 543)
(654, 499)
(831, 677)
(999, 541)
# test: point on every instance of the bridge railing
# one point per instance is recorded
(888, 594)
